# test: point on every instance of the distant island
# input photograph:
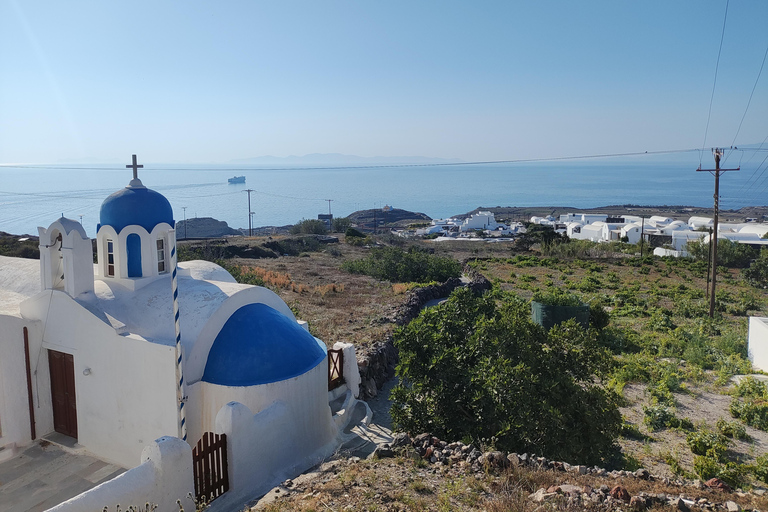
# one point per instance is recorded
(341, 159)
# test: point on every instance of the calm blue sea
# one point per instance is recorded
(35, 196)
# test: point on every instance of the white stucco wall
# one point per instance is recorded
(305, 398)
(758, 342)
(128, 396)
(15, 429)
(258, 452)
(163, 476)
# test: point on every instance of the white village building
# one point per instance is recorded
(90, 351)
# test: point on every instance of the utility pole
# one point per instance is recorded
(185, 221)
(250, 226)
(642, 233)
(716, 173)
(329, 205)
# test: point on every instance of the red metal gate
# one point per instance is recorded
(209, 463)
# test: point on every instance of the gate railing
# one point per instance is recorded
(209, 463)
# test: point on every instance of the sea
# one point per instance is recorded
(36, 195)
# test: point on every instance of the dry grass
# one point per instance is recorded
(408, 485)
(338, 306)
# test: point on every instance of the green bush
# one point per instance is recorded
(479, 368)
(757, 273)
(309, 227)
(557, 298)
(660, 417)
(706, 467)
(712, 444)
(11, 246)
(340, 224)
(731, 429)
(751, 403)
(760, 468)
(398, 266)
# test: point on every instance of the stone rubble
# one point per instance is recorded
(436, 451)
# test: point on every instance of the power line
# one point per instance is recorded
(374, 166)
(714, 83)
(750, 97)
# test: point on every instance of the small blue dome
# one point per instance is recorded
(135, 206)
(259, 345)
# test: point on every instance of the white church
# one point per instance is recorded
(134, 359)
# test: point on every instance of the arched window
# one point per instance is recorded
(133, 248)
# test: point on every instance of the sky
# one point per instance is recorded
(206, 82)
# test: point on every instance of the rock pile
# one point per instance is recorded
(435, 451)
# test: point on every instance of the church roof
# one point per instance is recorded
(135, 205)
(259, 345)
(19, 280)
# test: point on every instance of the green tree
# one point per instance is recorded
(309, 227)
(341, 224)
(479, 368)
(757, 273)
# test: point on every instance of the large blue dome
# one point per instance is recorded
(135, 206)
(259, 345)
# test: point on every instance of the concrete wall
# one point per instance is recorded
(125, 385)
(164, 476)
(264, 449)
(758, 342)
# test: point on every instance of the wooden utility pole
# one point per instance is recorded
(713, 254)
(250, 214)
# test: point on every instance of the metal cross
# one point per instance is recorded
(135, 168)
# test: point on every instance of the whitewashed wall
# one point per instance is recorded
(125, 385)
(758, 342)
(305, 398)
(259, 454)
(164, 475)
(15, 431)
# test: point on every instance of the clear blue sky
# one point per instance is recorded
(203, 81)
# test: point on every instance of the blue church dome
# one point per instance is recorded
(259, 345)
(135, 205)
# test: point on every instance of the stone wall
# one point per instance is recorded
(377, 364)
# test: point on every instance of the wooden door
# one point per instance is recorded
(62, 368)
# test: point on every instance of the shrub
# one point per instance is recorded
(732, 429)
(712, 444)
(352, 232)
(753, 409)
(399, 266)
(474, 367)
(340, 224)
(309, 227)
(557, 298)
(660, 417)
(708, 467)
(760, 468)
(757, 273)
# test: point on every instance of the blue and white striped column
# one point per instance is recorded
(179, 375)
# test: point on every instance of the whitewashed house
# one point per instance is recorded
(89, 351)
(700, 222)
(632, 232)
